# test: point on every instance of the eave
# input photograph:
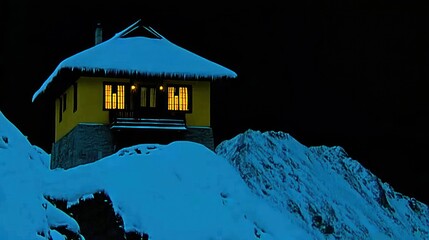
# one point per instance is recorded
(67, 76)
(143, 57)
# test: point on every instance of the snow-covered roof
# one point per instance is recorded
(140, 55)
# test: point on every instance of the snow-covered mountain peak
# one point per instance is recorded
(323, 188)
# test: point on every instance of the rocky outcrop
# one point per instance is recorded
(96, 218)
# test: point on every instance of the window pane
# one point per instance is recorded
(60, 110)
(121, 96)
(64, 102)
(108, 97)
(152, 97)
(176, 102)
(143, 97)
(178, 98)
(183, 95)
(74, 97)
(114, 101)
(171, 98)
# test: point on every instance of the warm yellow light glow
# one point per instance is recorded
(121, 97)
(171, 98)
(114, 101)
(176, 103)
(114, 97)
(133, 87)
(183, 94)
(161, 88)
(178, 99)
(108, 97)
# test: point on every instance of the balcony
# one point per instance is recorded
(139, 120)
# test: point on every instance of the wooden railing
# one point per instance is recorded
(138, 119)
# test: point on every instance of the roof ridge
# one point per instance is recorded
(127, 30)
(151, 30)
(135, 26)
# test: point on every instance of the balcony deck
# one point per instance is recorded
(136, 120)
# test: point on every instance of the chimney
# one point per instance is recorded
(98, 34)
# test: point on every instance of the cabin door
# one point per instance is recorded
(150, 101)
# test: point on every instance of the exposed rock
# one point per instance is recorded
(96, 218)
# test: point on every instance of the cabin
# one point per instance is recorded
(136, 87)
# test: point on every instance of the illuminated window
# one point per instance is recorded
(121, 97)
(183, 101)
(108, 96)
(179, 98)
(114, 96)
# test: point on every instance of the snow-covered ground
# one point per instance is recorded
(255, 186)
(177, 191)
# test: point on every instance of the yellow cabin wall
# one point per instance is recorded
(90, 104)
(67, 115)
(91, 99)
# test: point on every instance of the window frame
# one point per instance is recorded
(74, 97)
(177, 86)
(64, 99)
(115, 86)
(148, 97)
(60, 109)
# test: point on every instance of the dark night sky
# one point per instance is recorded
(329, 73)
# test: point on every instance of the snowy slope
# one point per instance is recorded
(24, 212)
(322, 188)
(256, 186)
(177, 191)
